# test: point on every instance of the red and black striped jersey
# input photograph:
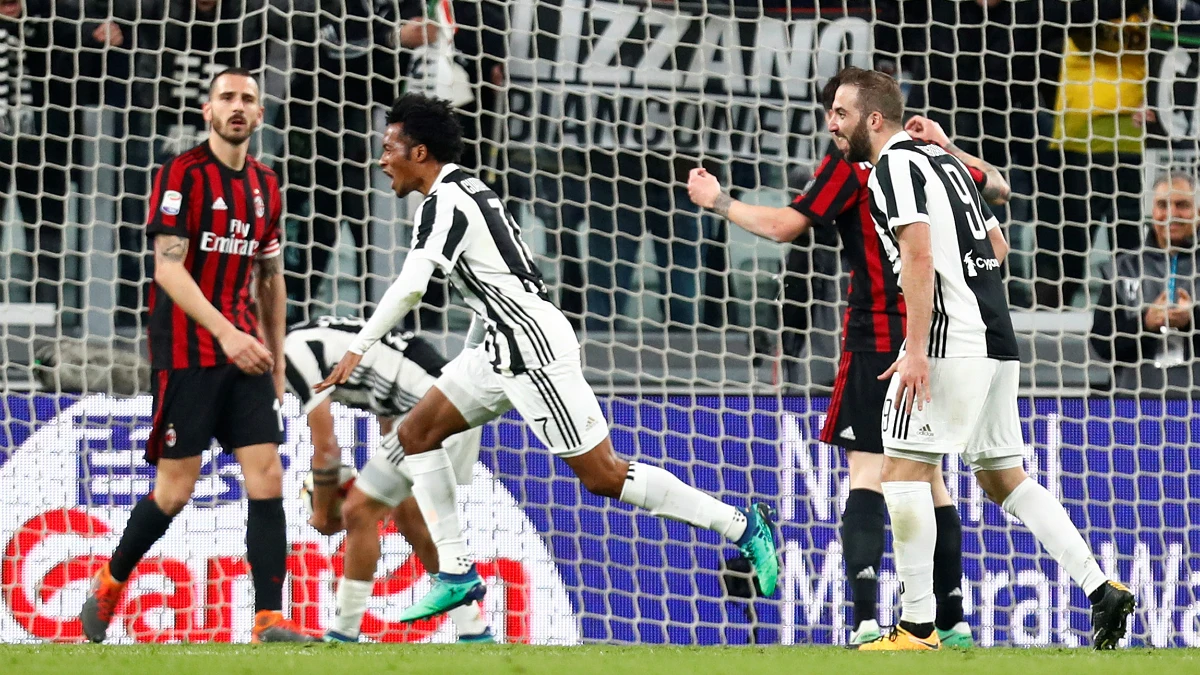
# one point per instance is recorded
(838, 197)
(231, 220)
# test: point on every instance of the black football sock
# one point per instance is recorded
(266, 551)
(862, 537)
(947, 567)
(147, 524)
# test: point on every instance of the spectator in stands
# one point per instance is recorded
(975, 66)
(345, 61)
(463, 62)
(476, 57)
(1089, 172)
(1147, 317)
(38, 44)
(979, 61)
(633, 195)
(629, 197)
(620, 197)
(177, 49)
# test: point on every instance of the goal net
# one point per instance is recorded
(713, 351)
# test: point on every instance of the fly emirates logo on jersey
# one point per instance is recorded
(237, 244)
(66, 494)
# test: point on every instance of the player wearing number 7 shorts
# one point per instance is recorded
(530, 361)
(953, 390)
(872, 331)
(391, 378)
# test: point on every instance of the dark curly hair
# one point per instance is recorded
(430, 122)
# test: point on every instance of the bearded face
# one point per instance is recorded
(848, 125)
(234, 109)
(859, 143)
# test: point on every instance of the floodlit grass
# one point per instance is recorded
(320, 659)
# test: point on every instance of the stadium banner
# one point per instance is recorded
(567, 567)
(677, 79)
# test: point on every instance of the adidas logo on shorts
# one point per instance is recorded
(847, 433)
(866, 573)
(925, 432)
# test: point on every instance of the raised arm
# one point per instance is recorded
(781, 224)
(995, 189)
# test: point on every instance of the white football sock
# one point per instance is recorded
(1034, 506)
(433, 486)
(351, 605)
(914, 534)
(661, 493)
(469, 619)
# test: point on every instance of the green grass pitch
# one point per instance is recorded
(322, 659)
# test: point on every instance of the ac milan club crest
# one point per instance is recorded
(171, 437)
(260, 207)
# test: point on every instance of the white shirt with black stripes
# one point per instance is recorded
(917, 182)
(463, 228)
(393, 375)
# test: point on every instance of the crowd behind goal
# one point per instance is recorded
(1076, 103)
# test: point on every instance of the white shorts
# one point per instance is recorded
(386, 477)
(555, 400)
(973, 413)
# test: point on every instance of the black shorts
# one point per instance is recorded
(855, 411)
(192, 406)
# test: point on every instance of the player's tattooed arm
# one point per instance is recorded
(776, 224)
(270, 267)
(996, 190)
(722, 203)
(173, 277)
(272, 310)
(170, 248)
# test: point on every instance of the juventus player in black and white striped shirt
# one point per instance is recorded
(394, 374)
(529, 361)
(954, 387)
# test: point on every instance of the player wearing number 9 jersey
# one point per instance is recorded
(953, 389)
(529, 361)
(872, 330)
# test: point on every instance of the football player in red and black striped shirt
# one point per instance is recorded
(215, 227)
(873, 331)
